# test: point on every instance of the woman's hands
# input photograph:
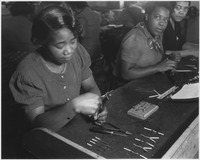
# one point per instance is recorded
(88, 104)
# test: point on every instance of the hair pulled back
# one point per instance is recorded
(50, 20)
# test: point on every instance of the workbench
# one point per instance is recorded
(176, 119)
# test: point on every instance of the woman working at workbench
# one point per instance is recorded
(47, 82)
(141, 52)
(174, 41)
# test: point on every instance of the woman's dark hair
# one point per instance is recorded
(21, 8)
(174, 3)
(52, 19)
(78, 4)
(150, 6)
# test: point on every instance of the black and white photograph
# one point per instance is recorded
(99, 79)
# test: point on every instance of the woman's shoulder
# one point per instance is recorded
(81, 54)
(81, 51)
(29, 62)
(134, 34)
(29, 69)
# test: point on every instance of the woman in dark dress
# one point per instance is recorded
(173, 38)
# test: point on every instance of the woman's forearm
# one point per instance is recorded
(55, 118)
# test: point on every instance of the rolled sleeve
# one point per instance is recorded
(131, 48)
(26, 91)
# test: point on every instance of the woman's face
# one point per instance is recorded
(180, 11)
(62, 46)
(157, 20)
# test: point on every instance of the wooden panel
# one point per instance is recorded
(188, 143)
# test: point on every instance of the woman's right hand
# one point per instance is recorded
(87, 103)
(166, 65)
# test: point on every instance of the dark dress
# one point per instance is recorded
(173, 39)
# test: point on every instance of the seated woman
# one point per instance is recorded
(141, 51)
(16, 29)
(173, 38)
(47, 82)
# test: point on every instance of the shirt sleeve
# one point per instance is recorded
(131, 48)
(26, 90)
(85, 62)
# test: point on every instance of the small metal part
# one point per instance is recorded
(160, 133)
(153, 96)
(148, 129)
(154, 131)
(89, 144)
(156, 92)
(150, 138)
(137, 139)
(143, 148)
(98, 138)
(134, 152)
(166, 93)
(94, 140)
(149, 144)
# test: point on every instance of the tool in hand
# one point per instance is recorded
(143, 148)
(134, 152)
(101, 106)
(150, 138)
(107, 127)
(104, 98)
(137, 139)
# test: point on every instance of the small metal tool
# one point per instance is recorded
(137, 139)
(104, 98)
(106, 131)
(157, 94)
(153, 96)
(143, 148)
(134, 152)
(150, 138)
(89, 144)
(192, 66)
(166, 93)
(98, 145)
(109, 128)
(154, 131)
(182, 71)
(98, 138)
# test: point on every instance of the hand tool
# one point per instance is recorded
(150, 138)
(166, 93)
(154, 131)
(137, 139)
(109, 129)
(143, 148)
(104, 98)
(182, 71)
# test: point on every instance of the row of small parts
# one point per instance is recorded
(144, 148)
(97, 142)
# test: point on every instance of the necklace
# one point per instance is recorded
(59, 70)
